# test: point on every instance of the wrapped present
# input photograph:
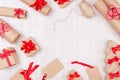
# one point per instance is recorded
(86, 9)
(74, 75)
(29, 46)
(25, 74)
(63, 3)
(12, 12)
(53, 68)
(39, 5)
(8, 57)
(7, 32)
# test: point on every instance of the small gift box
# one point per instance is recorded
(29, 46)
(8, 57)
(63, 3)
(25, 74)
(12, 12)
(7, 32)
(39, 5)
(74, 75)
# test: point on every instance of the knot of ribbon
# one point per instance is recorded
(18, 12)
(38, 4)
(115, 59)
(28, 46)
(60, 2)
(115, 49)
(4, 28)
(114, 75)
(113, 13)
(73, 76)
(6, 53)
(27, 73)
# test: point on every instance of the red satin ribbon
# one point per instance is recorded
(60, 2)
(6, 53)
(115, 49)
(114, 75)
(27, 73)
(39, 4)
(18, 12)
(73, 76)
(115, 59)
(28, 46)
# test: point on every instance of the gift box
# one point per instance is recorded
(8, 57)
(12, 12)
(29, 46)
(23, 74)
(39, 5)
(7, 32)
(63, 3)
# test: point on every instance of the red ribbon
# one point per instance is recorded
(44, 76)
(27, 73)
(115, 49)
(38, 4)
(18, 12)
(61, 1)
(28, 46)
(73, 76)
(115, 59)
(114, 75)
(6, 53)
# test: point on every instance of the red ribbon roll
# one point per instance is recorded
(61, 1)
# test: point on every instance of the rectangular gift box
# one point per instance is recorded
(12, 12)
(45, 10)
(8, 60)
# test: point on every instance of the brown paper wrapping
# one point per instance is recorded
(112, 2)
(103, 11)
(53, 68)
(34, 51)
(45, 10)
(94, 73)
(86, 9)
(9, 12)
(64, 4)
(12, 35)
(71, 72)
(13, 59)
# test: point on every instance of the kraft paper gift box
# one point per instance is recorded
(29, 46)
(7, 32)
(23, 74)
(8, 57)
(12, 12)
(64, 4)
(36, 4)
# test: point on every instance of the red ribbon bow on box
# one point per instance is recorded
(115, 49)
(38, 4)
(61, 1)
(74, 75)
(113, 75)
(28, 46)
(115, 59)
(5, 55)
(4, 28)
(27, 73)
(18, 12)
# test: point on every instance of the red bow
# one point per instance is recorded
(113, 75)
(27, 73)
(28, 46)
(5, 54)
(18, 12)
(4, 28)
(115, 59)
(114, 49)
(61, 1)
(38, 4)
(74, 75)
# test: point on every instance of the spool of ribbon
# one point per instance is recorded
(73, 76)
(114, 75)
(60, 2)
(115, 49)
(39, 4)
(29, 71)
(6, 53)
(18, 12)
